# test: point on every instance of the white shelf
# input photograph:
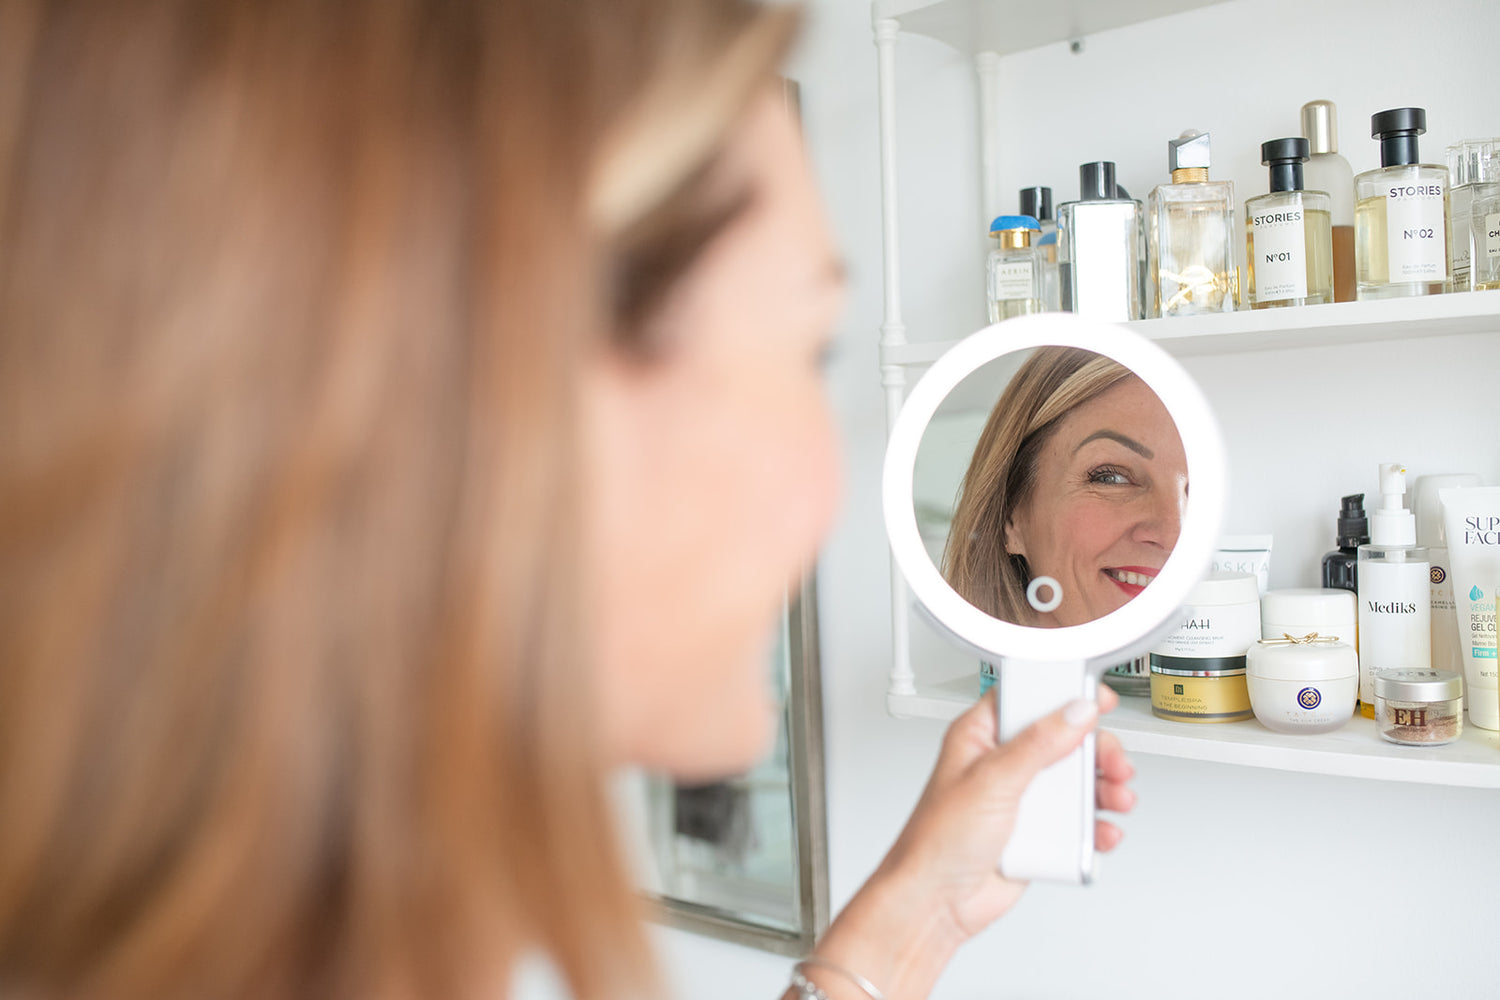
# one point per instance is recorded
(1004, 26)
(1338, 323)
(1355, 751)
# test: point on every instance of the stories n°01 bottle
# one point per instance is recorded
(1288, 235)
(1191, 235)
(1401, 244)
(1330, 173)
(1099, 248)
(1395, 591)
(1013, 269)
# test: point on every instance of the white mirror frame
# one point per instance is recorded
(1126, 631)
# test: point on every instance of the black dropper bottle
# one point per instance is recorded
(1341, 566)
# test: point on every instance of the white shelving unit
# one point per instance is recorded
(985, 30)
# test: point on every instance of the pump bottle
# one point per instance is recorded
(1395, 609)
(1341, 566)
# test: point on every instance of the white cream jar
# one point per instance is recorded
(1303, 685)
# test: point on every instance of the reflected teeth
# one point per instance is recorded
(1125, 576)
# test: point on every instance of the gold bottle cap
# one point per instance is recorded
(1013, 239)
(1189, 175)
(1320, 126)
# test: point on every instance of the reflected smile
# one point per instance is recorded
(1131, 579)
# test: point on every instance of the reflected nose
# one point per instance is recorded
(1161, 523)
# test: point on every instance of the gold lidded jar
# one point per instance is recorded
(1419, 707)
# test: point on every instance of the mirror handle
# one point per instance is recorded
(1054, 836)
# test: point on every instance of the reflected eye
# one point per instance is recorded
(1108, 475)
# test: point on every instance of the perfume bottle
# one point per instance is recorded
(1341, 566)
(1401, 214)
(1288, 235)
(1099, 248)
(1484, 218)
(1330, 173)
(1037, 203)
(1468, 169)
(1395, 591)
(1013, 269)
(1192, 235)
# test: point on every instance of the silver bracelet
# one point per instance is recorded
(811, 991)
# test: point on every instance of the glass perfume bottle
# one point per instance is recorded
(1468, 170)
(1484, 217)
(1099, 248)
(1192, 235)
(1401, 214)
(1288, 234)
(1037, 203)
(1330, 173)
(1013, 269)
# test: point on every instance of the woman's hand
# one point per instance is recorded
(940, 884)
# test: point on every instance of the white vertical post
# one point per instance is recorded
(987, 64)
(892, 331)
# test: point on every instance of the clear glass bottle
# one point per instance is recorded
(1288, 235)
(1099, 248)
(1401, 242)
(1468, 167)
(1037, 203)
(1013, 269)
(1192, 235)
(1484, 222)
(1329, 172)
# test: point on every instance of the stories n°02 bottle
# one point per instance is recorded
(1288, 235)
(1191, 235)
(1395, 591)
(1329, 172)
(1013, 268)
(1099, 248)
(1401, 244)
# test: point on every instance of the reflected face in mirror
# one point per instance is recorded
(1106, 503)
(1080, 477)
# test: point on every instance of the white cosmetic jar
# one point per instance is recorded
(1301, 611)
(1302, 685)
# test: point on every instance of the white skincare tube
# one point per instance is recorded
(1471, 517)
(1245, 554)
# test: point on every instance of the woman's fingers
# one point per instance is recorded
(1107, 836)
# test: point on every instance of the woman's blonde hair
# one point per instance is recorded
(1002, 474)
(293, 296)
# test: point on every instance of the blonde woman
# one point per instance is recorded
(398, 405)
(1079, 477)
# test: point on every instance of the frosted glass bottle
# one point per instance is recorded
(1401, 243)
(1330, 173)
(1191, 235)
(1288, 235)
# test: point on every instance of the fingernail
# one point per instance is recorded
(1080, 713)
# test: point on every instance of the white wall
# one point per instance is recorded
(1232, 882)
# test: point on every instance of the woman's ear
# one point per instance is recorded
(1014, 546)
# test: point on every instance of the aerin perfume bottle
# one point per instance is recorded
(1330, 173)
(1192, 235)
(1401, 242)
(1013, 270)
(1099, 248)
(1288, 234)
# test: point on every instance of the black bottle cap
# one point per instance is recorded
(1096, 181)
(1285, 158)
(1354, 527)
(1037, 203)
(1397, 130)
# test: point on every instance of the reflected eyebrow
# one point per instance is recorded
(1130, 443)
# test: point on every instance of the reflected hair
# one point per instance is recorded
(1002, 474)
(294, 297)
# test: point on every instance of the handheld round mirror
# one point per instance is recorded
(1072, 492)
